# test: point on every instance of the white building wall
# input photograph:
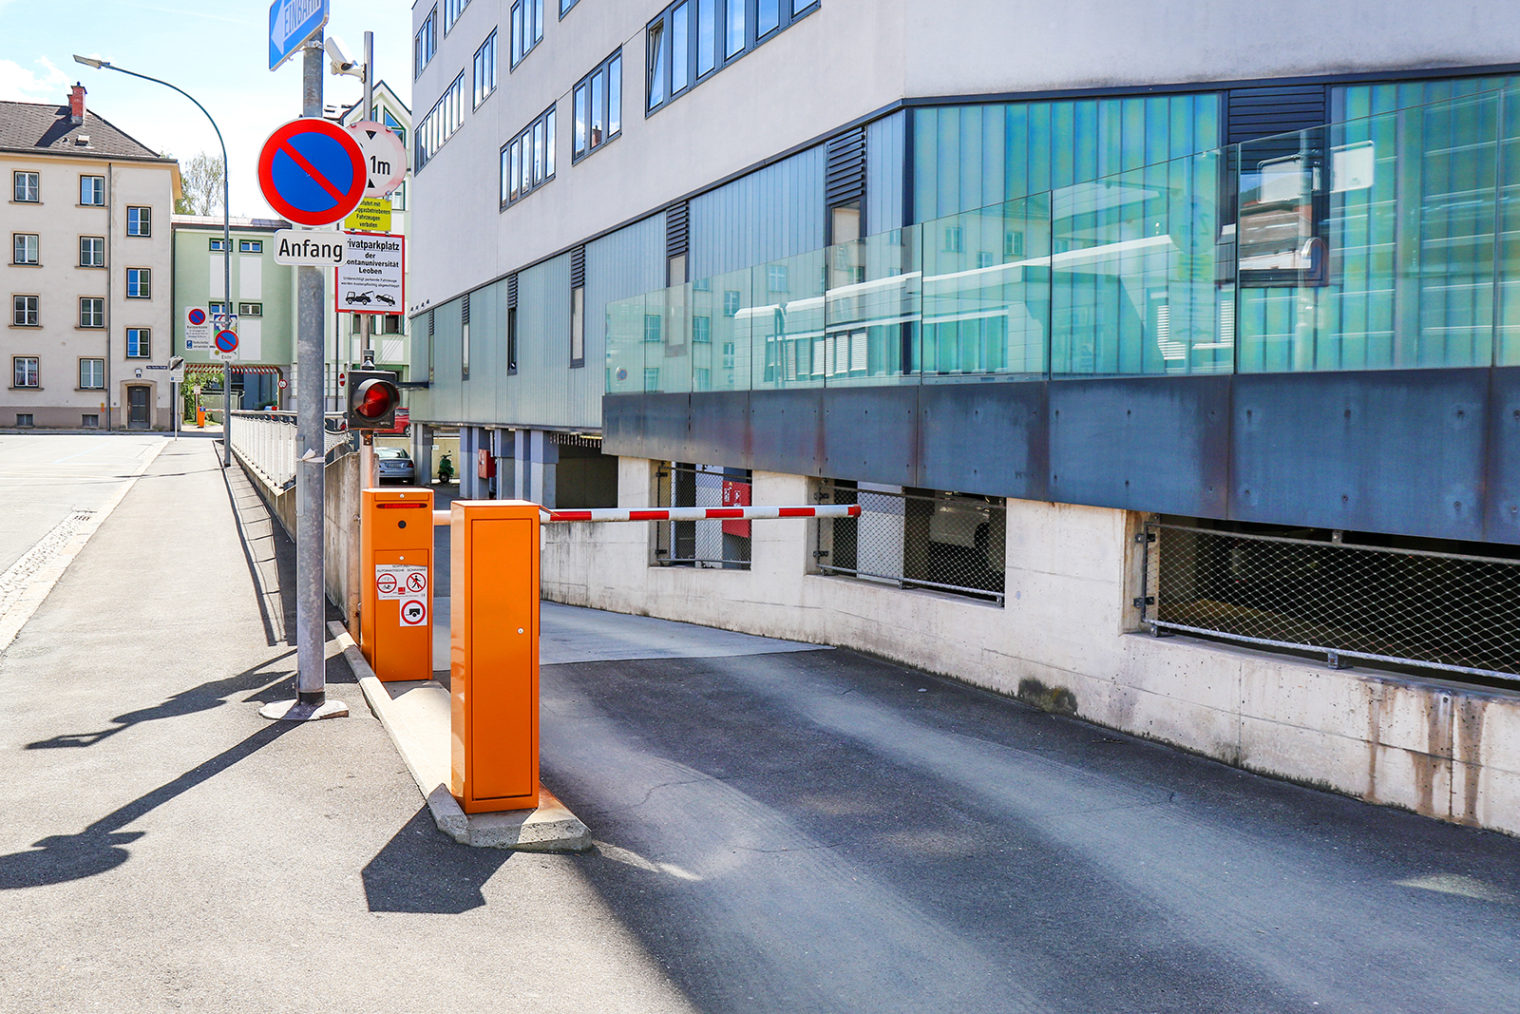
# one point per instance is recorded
(1067, 640)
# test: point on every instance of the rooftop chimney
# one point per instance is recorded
(76, 104)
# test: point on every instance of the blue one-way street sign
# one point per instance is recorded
(291, 23)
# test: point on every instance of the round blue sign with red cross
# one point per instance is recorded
(312, 172)
(226, 341)
(196, 316)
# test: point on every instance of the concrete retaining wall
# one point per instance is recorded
(1068, 640)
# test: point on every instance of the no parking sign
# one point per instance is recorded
(312, 171)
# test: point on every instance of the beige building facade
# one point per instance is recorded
(88, 273)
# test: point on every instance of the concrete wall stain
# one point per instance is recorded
(1056, 700)
(1469, 736)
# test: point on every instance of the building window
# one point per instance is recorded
(723, 544)
(701, 329)
(92, 311)
(598, 105)
(652, 326)
(485, 69)
(441, 122)
(24, 420)
(250, 309)
(26, 371)
(692, 39)
(250, 246)
(398, 198)
(527, 27)
(393, 124)
(139, 221)
(565, 5)
(24, 311)
(390, 323)
(218, 244)
(139, 283)
(27, 187)
(92, 191)
(527, 161)
(451, 11)
(92, 374)
(425, 43)
(578, 326)
(90, 421)
(139, 342)
(511, 340)
(217, 309)
(464, 339)
(24, 247)
(92, 251)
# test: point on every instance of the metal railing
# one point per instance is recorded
(721, 544)
(266, 442)
(1438, 610)
(947, 542)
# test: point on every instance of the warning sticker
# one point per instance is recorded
(394, 581)
(414, 612)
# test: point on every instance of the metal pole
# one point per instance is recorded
(311, 674)
(366, 349)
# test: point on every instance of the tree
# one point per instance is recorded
(202, 179)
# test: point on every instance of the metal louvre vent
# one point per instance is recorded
(677, 229)
(430, 323)
(512, 290)
(845, 175)
(464, 310)
(577, 267)
(1252, 113)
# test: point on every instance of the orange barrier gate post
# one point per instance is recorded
(493, 655)
(396, 582)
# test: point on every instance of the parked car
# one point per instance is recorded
(392, 464)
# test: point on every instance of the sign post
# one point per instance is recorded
(312, 172)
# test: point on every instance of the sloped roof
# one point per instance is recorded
(46, 127)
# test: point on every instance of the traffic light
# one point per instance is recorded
(373, 398)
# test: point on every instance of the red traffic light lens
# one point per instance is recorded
(377, 399)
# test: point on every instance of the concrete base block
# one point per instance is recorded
(295, 711)
(416, 715)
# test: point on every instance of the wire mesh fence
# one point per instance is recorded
(948, 542)
(723, 544)
(1439, 610)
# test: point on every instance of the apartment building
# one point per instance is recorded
(87, 283)
(1117, 323)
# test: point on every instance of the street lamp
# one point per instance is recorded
(226, 242)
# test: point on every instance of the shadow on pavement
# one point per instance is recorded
(187, 702)
(422, 871)
(270, 555)
(61, 858)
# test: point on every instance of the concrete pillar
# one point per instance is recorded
(520, 461)
(422, 453)
(545, 464)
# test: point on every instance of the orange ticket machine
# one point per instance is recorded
(493, 655)
(396, 582)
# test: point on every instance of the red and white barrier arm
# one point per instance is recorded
(844, 510)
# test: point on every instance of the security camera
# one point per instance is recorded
(339, 62)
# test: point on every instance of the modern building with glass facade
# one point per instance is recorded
(1117, 322)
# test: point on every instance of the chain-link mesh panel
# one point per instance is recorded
(702, 543)
(1447, 611)
(920, 539)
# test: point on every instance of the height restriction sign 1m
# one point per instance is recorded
(312, 172)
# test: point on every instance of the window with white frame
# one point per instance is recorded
(425, 43)
(92, 311)
(218, 244)
(92, 374)
(139, 283)
(251, 309)
(24, 311)
(139, 343)
(527, 161)
(216, 309)
(92, 251)
(250, 246)
(139, 221)
(25, 371)
(92, 191)
(527, 27)
(26, 187)
(24, 248)
(597, 101)
(441, 122)
(692, 39)
(451, 11)
(485, 69)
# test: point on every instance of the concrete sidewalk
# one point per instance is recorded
(165, 848)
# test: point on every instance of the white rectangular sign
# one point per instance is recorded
(372, 276)
(394, 581)
(303, 248)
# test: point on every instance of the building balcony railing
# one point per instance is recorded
(1386, 242)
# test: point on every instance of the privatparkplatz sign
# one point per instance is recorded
(300, 248)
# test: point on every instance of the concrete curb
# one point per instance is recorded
(415, 715)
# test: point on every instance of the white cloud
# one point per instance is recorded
(42, 82)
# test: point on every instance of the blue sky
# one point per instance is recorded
(217, 50)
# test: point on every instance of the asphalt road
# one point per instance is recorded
(779, 828)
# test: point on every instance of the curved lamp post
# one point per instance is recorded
(226, 243)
